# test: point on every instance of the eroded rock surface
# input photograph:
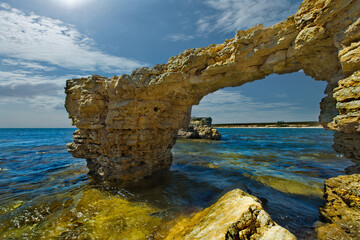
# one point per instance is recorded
(237, 215)
(199, 128)
(341, 209)
(347, 122)
(128, 124)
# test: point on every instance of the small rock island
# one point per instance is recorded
(199, 128)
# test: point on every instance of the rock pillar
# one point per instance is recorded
(123, 133)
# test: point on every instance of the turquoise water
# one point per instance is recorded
(42, 187)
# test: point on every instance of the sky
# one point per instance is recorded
(44, 43)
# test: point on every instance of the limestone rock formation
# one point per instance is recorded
(199, 128)
(347, 122)
(127, 125)
(341, 209)
(237, 215)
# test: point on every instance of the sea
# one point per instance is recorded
(46, 193)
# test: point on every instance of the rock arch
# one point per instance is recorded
(127, 125)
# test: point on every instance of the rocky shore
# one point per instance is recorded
(238, 215)
(199, 128)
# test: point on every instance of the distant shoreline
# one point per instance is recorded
(265, 127)
(280, 124)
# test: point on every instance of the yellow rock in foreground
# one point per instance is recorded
(341, 208)
(237, 215)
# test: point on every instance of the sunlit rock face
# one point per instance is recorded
(236, 215)
(341, 209)
(128, 124)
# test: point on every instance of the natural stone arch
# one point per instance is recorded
(274, 99)
(127, 125)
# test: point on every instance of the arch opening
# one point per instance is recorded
(291, 97)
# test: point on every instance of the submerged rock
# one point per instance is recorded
(341, 209)
(90, 214)
(237, 215)
(199, 128)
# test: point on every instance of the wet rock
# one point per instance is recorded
(236, 215)
(341, 210)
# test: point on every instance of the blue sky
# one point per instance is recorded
(43, 43)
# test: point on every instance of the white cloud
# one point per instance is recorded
(180, 37)
(26, 64)
(234, 15)
(41, 102)
(47, 103)
(20, 77)
(235, 98)
(232, 106)
(5, 6)
(29, 90)
(41, 92)
(32, 37)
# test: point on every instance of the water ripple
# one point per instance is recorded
(46, 193)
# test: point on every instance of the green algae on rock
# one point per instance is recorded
(313, 189)
(96, 215)
(91, 214)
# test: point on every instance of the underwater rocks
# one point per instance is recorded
(88, 214)
(199, 128)
(237, 215)
(94, 214)
(341, 209)
(128, 125)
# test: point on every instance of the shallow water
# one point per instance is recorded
(45, 193)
